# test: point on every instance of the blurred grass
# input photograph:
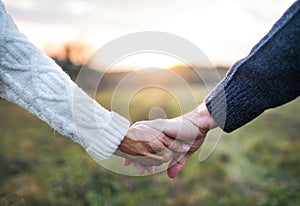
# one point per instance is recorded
(255, 165)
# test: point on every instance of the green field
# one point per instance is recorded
(255, 165)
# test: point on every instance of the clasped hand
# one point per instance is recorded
(152, 143)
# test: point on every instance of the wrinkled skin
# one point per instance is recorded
(151, 143)
(147, 146)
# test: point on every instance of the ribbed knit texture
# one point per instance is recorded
(268, 77)
(32, 80)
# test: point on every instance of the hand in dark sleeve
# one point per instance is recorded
(268, 77)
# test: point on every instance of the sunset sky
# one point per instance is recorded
(225, 30)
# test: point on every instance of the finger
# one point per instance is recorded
(173, 170)
(155, 159)
(166, 155)
(147, 159)
(177, 146)
(170, 127)
(181, 129)
(140, 168)
(127, 162)
(176, 165)
(150, 169)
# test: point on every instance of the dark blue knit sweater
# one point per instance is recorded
(268, 77)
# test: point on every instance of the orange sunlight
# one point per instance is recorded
(146, 61)
(79, 52)
(76, 51)
(224, 30)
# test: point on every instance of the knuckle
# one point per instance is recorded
(167, 156)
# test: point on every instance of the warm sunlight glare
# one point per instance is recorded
(146, 60)
(224, 30)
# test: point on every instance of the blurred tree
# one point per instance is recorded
(70, 55)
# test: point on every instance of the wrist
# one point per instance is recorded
(205, 120)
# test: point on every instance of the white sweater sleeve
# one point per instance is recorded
(32, 80)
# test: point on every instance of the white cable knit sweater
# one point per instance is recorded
(32, 80)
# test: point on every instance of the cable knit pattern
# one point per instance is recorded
(32, 80)
(268, 77)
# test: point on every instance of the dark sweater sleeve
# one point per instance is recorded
(268, 77)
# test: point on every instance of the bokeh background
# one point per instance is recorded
(256, 165)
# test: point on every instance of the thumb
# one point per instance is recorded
(176, 165)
